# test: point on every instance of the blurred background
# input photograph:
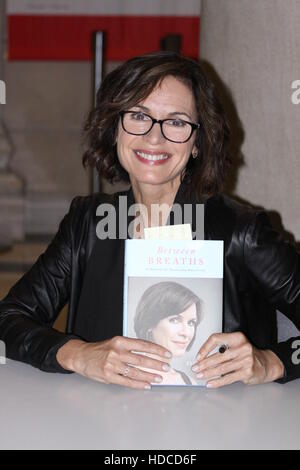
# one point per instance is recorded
(48, 62)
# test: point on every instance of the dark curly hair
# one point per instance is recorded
(132, 82)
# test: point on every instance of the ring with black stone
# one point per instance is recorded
(223, 348)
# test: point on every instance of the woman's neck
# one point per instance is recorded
(149, 194)
(156, 201)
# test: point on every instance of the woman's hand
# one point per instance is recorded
(115, 361)
(240, 362)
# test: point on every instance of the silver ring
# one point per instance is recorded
(126, 371)
(223, 348)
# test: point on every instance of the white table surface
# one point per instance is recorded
(55, 411)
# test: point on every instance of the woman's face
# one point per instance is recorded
(176, 331)
(172, 96)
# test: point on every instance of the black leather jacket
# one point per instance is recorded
(261, 274)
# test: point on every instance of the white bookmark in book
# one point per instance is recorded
(169, 232)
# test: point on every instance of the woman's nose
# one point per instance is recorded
(184, 330)
(155, 135)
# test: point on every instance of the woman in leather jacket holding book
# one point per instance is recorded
(157, 124)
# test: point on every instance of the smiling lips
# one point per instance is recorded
(181, 345)
(152, 158)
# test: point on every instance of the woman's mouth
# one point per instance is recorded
(151, 158)
(180, 344)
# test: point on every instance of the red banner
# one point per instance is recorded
(64, 34)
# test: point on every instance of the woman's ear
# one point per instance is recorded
(195, 152)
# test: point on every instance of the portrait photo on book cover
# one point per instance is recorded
(179, 314)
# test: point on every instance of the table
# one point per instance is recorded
(56, 411)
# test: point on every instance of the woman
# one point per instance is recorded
(168, 314)
(158, 124)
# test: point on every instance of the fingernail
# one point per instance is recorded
(168, 355)
(209, 385)
(165, 367)
(200, 375)
(199, 357)
(158, 379)
(195, 368)
(147, 387)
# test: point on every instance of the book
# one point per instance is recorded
(173, 296)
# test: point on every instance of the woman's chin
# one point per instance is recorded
(153, 180)
(180, 353)
(149, 176)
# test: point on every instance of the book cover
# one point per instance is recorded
(173, 296)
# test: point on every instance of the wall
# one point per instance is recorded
(43, 117)
(46, 104)
(254, 47)
(11, 187)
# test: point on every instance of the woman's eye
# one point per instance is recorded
(177, 123)
(138, 116)
(192, 323)
(174, 320)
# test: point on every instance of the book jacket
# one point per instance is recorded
(173, 296)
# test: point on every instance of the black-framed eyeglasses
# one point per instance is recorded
(176, 130)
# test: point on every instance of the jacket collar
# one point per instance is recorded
(188, 205)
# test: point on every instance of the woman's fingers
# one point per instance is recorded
(121, 361)
(240, 361)
(235, 364)
(131, 383)
(144, 361)
(225, 380)
(134, 373)
(139, 345)
(214, 360)
(127, 374)
(232, 340)
(222, 369)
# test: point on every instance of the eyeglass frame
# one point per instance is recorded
(193, 125)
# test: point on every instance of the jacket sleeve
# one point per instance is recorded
(273, 265)
(29, 310)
